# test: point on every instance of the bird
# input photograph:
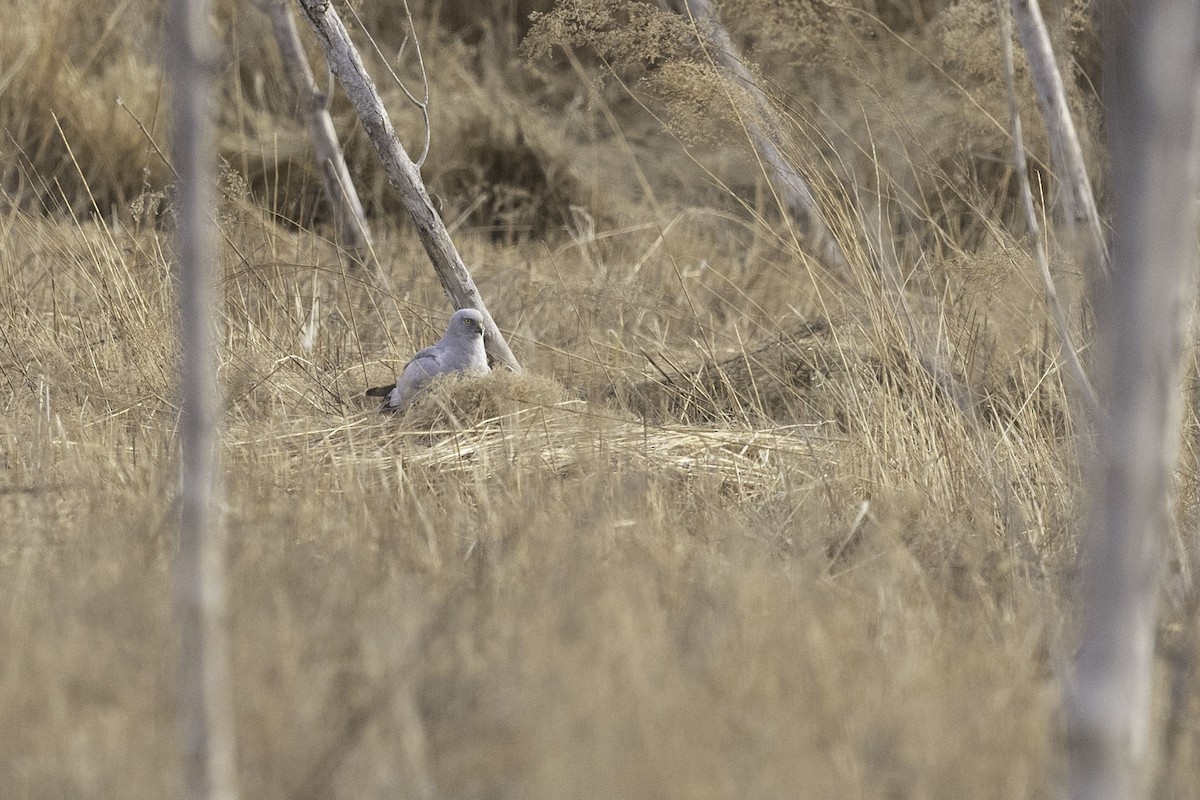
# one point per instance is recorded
(459, 351)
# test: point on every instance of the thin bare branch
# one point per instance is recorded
(354, 234)
(423, 103)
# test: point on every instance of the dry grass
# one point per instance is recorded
(729, 537)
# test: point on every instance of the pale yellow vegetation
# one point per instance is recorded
(728, 538)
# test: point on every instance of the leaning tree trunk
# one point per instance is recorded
(1152, 58)
(1075, 188)
(766, 133)
(402, 173)
(199, 580)
(1070, 352)
(313, 111)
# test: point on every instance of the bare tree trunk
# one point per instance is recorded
(313, 111)
(210, 769)
(766, 132)
(1075, 188)
(1066, 345)
(1152, 58)
(402, 173)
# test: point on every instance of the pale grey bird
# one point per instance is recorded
(460, 350)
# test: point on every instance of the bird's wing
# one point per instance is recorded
(418, 372)
(424, 352)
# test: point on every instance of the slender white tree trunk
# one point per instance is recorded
(1075, 188)
(210, 771)
(1152, 60)
(1070, 353)
(313, 111)
(402, 173)
(766, 133)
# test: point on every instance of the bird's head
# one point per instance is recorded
(466, 322)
